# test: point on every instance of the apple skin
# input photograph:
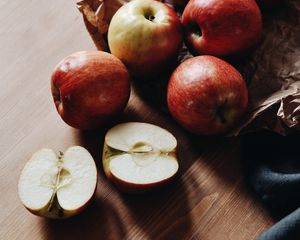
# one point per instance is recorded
(145, 45)
(207, 95)
(222, 27)
(90, 88)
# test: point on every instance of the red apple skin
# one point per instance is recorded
(146, 49)
(228, 27)
(90, 88)
(207, 95)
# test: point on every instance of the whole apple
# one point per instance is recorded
(145, 35)
(90, 88)
(222, 27)
(207, 95)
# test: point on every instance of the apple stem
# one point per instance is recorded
(196, 30)
(151, 17)
(221, 114)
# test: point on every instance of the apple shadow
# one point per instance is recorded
(153, 90)
(222, 155)
(162, 213)
(100, 220)
(165, 212)
(169, 212)
(93, 141)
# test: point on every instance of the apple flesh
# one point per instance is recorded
(222, 27)
(58, 186)
(139, 157)
(146, 35)
(207, 95)
(90, 88)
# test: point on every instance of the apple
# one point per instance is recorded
(139, 157)
(222, 27)
(146, 35)
(90, 88)
(58, 186)
(207, 95)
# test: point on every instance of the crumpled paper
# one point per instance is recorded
(272, 71)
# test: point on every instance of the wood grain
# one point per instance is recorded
(209, 199)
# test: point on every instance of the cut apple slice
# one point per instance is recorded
(139, 156)
(58, 186)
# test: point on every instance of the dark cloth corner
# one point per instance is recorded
(272, 167)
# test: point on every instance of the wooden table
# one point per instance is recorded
(209, 199)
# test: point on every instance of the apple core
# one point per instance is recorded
(56, 178)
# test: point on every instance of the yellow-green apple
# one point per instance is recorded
(90, 88)
(58, 186)
(222, 27)
(207, 95)
(139, 157)
(146, 35)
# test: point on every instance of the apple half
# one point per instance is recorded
(58, 186)
(139, 157)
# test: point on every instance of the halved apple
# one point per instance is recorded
(138, 157)
(58, 186)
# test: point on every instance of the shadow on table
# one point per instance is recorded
(161, 214)
(169, 212)
(99, 221)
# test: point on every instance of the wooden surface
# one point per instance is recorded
(209, 199)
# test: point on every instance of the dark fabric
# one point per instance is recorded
(272, 168)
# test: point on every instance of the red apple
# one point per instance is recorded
(89, 88)
(207, 95)
(222, 27)
(146, 35)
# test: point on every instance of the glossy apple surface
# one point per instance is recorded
(145, 35)
(58, 186)
(90, 88)
(207, 95)
(138, 157)
(222, 27)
